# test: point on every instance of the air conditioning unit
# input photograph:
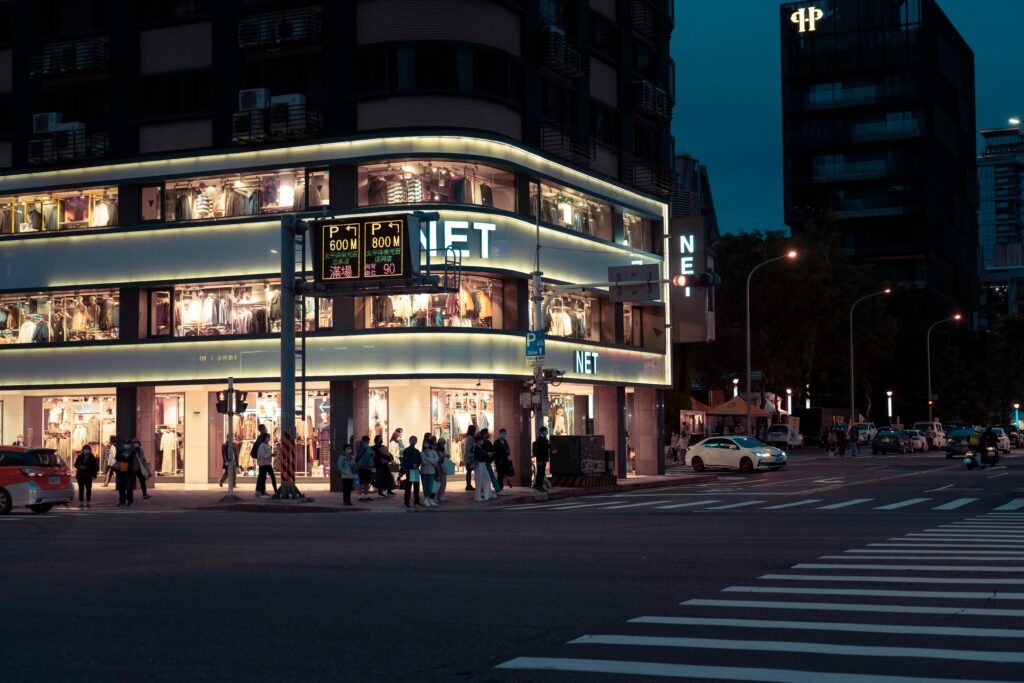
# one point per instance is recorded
(247, 126)
(254, 98)
(46, 122)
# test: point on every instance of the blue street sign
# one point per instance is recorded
(535, 344)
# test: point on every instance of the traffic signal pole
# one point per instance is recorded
(229, 439)
(288, 488)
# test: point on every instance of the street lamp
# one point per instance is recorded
(1014, 121)
(888, 401)
(789, 401)
(928, 348)
(736, 387)
(791, 254)
(807, 397)
(1016, 415)
(853, 408)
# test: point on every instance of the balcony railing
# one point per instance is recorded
(645, 18)
(648, 176)
(568, 144)
(560, 55)
(275, 29)
(66, 145)
(83, 56)
(277, 122)
(650, 99)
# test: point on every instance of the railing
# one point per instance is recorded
(274, 29)
(842, 134)
(79, 57)
(568, 144)
(277, 122)
(649, 177)
(66, 145)
(650, 99)
(559, 54)
(645, 18)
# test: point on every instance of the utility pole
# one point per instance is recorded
(230, 438)
(290, 226)
(539, 386)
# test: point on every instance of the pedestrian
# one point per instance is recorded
(382, 460)
(854, 439)
(469, 455)
(226, 463)
(486, 454)
(347, 467)
(140, 467)
(841, 440)
(412, 459)
(541, 449)
(86, 469)
(831, 437)
(265, 461)
(111, 461)
(444, 463)
(673, 447)
(503, 460)
(125, 476)
(428, 469)
(364, 464)
(19, 440)
(483, 454)
(396, 446)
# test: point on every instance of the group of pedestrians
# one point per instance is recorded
(125, 464)
(837, 438)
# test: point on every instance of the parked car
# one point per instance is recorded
(866, 431)
(959, 442)
(35, 478)
(1013, 433)
(890, 441)
(735, 452)
(933, 432)
(785, 436)
(918, 442)
(1003, 444)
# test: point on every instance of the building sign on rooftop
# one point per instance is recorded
(807, 18)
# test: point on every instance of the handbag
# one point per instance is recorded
(414, 475)
(449, 467)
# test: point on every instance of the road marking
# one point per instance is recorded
(946, 544)
(1015, 504)
(556, 506)
(834, 626)
(853, 607)
(806, 648)
(736, 505)
(972, 558)
(902, 504)
(686, 505)
(616, 506)
(941, 488)
(848, 503)
(884, 579)
(945, 552)
(793, 505)
(953, 538)
(909, 567)
(979, 536)
(1001, 474)
(954, 504)
(706, 673)
(872, 593)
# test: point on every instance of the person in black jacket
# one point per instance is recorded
(86, 469)
(503, 460)
(125, 475)
(412, 460)
(541, 448)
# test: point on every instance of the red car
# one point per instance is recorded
(35, 478)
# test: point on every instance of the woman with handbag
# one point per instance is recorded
(382, 459)
(140, 467)
(445, 467)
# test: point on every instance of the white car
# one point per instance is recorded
(918, 442)
(866, 431)
(785, 436)
(1004, 440)
(935, 431)
(735, 452)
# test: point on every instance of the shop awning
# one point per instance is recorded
(738, 407)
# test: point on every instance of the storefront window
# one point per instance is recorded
(313, 433)
(59, 317)
(476, 304)
(446, 182)
(169, 437)
(577, 316)
(235, 195)
(72, 422)
(319, 188)
(573, 210)
(636, 231)
(561, 414)
(95, 207)
(378, 414)
(452, 411)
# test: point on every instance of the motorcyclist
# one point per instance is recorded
(988, 440)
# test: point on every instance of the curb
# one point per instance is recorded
(264, 507)
(597, 490)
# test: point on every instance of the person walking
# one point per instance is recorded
(854, 439)
(224, 459)
(364, 464)
(429, 468)
(503, 460)
(841, 440)
(87, 468)
(140, 467)
(412, 460)
(469, 455)
(443, 460)
(265, 460)
(396, 446)
(125, 476)
(111, 458)
(541, 450)
(832, 441)
(483, 453)
(347, 468)
(486, 450)
(382, 460)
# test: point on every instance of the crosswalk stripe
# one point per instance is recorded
(954, 504)
(736, 505)
(852, 607)
(967, 558)
(872, 593)
(883, 579)
(686, 505)
(803, 648)
(1015, 504)
(958, 539)
(632, 505)
(909, 567)
(947, 544)
(935, 552)
(848, 503)
(902, 504)
(793, 505)
(983, 531)
(700, 672)
(834, 626)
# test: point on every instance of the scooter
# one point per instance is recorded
(976, 457)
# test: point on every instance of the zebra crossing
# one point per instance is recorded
(626, 502)
(847, 618)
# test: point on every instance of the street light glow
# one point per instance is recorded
(792, 254)
(1014, 121)
(957, 316)
(886, 291)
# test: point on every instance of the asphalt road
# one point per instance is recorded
(780, 577)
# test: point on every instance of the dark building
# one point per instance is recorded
(1001, 222)
(879, 138)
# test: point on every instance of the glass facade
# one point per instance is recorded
(576, 316)
(239, 194)
(443, 181)
(572, 209)
(94, 207)
(68, 423)
(637, 231)
(478, 304)
(52, 317)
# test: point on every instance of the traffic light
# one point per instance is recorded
(233, 401)
(222, 402)
(241, 404)
(696, 280)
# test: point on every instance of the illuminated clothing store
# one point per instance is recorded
(148, 312)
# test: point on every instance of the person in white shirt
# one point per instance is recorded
(111, 461)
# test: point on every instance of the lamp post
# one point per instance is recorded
(736, 387)
(888, 401)
(791, 254)
(853, 408)
(928, 349)
(789, 401)
(1016, 415)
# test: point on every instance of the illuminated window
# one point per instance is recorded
(54, 317)
(95, 207)
(448, 182)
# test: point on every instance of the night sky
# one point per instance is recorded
(728, 110)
